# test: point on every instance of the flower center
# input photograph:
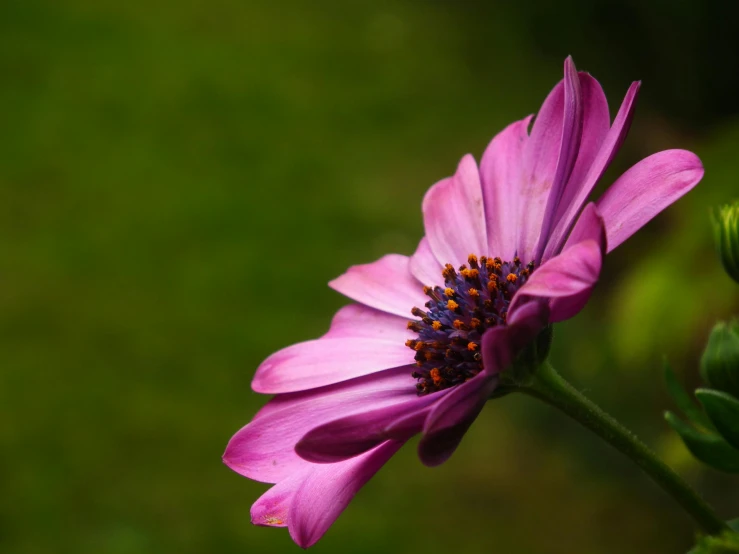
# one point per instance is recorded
(474, 299)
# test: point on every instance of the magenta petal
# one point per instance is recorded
(327, 491)
(589, 226)
(574, 272)
(349, 436)
(449, 420)
(358, 320)
(271, 509)
(316, 363)
(645, 190)
(454, 216)
(386, 285)
(569, 146)
(540, 155)
(576, 195)
(424, 266)
(264, 450)
(500, 173)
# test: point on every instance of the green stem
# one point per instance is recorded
(549, 386)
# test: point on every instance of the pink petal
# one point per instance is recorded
(424, 266)
(454, 216)
(271, 509)
(576, 195)
(540, 155)
(386, 285)
(327, 491)
(524, 324)
(349, 436)
(358, 320)
(589, 226)
(645, 190)
(316, 363)
(450, 418)
(571, 274)
(264, 450)
(596, 124)
(500, 173)
(572, 124)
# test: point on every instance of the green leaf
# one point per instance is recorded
(709, 448)
(683, 400)
(726, 543)
(723, 409)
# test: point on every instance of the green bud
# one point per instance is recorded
(720, 361)
(726, 233)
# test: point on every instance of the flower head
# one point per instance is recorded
(726, 232)
(511, 246)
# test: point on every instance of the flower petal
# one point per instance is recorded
(327, 491)
(358, 320)
(454, 217)
(500, 173)
(271, 509)
(386, 285)
(576, 195)
(424, 266)
(540, 155)
(571, 274)
(572, 124)
(320, 362)
(264, 450)
(450, 418)
(349, 436)
(589, 226)
(645, 190)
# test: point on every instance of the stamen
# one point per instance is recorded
(450, 330)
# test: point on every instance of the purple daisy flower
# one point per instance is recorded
(511, 246)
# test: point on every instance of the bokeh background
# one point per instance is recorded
(179, 181)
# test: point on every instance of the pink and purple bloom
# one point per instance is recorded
(511, 246)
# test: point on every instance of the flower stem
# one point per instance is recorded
(549, 386)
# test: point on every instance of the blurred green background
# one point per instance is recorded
(179, 181)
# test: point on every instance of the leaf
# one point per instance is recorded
(723, 409)
(683, 400)
(726, 543)
(709, 448)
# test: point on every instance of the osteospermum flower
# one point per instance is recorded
(511, 246)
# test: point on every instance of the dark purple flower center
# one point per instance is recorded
(450, 330)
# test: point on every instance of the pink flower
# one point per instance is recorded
(510, 247)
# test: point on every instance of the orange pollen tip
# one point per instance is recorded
(436, 325)
(409, 343)
(475, 323)
(458, 323)
(427, 289)
(436, 376)
(409, 325)
(497, 260)
(474, 293)
(511, 278)
(449, 292)
(429, 356)
(472, 346)
(452, 305)
(492, 285)
(418, 346)
(472, 259)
